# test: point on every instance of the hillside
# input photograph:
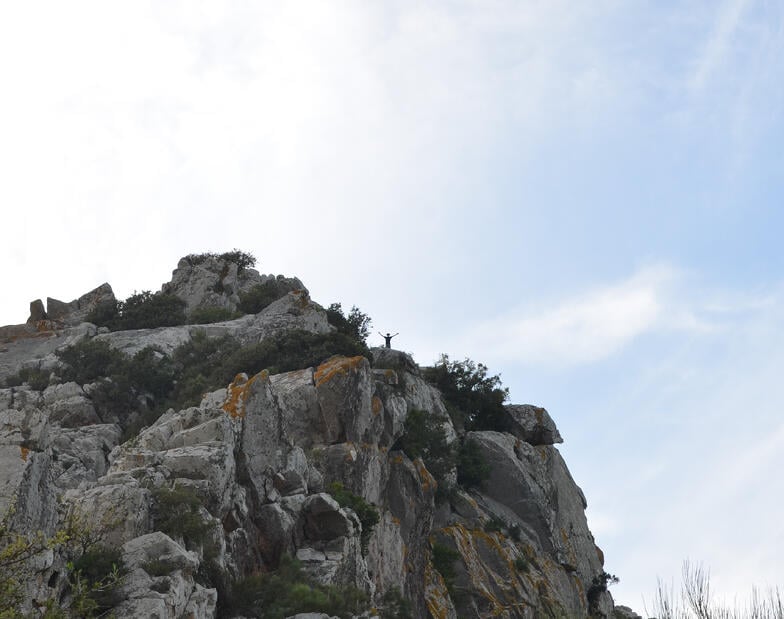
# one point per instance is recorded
(229, 447)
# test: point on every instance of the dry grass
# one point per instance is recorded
(694, 600)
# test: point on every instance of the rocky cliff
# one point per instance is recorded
(199, 504)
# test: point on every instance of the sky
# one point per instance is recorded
(585, 196)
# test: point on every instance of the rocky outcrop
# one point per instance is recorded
(208, 281)
(306, 464)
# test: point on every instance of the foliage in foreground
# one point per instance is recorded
(475, 400)
(695, 601)
(94, 571)
(288, 591)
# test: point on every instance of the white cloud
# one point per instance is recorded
(590, 326)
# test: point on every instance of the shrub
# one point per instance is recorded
(260, 296)
(472, 470)
(424, 437)
(356, 324)
(242, 259)
(475, 400)
(598, 586)
(147, 373)
(521, 564)
(145, 310)
(97, 572)
(178, 514)
(104, 314)
(142, 310)
(367, 513)
(88, 360)
(36, 378)
(444, 559)
(209, 315)
(696, 601)
(156, 567)
(288, 591)
(494, 524)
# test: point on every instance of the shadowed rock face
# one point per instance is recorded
(262, 455)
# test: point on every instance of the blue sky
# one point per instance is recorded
(584, 196)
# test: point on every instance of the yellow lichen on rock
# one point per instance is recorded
(376, 405)
(25, 453)
(425, 478)
(436, 593)
(238, 392)
(334, 367)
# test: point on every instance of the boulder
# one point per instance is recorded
(532, 424)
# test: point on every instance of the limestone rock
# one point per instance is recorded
(532, 424)
(217, 282)
(260, 456)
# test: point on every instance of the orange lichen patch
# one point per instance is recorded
(238, 392)
(425, 478)
(376, 405)
(25, 453)
(487, 584)
(396, 520)
(398, 459)
(334, 367)
(436, 593)
(600, 554)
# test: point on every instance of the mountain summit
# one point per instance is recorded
(227, 447)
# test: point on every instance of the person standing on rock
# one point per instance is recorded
(388, 338)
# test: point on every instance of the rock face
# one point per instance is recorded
(261, 468)
(213, 281)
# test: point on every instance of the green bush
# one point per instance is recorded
(494, 524)
(475, 400)
(36, 378)
(178, 514)
(472, 470)
(598, 586)
(444, 559)
(356, 324)
(424, 437)
(288, 591)
(145, 310)
(209, 315)
(156, 567)
(97, 572)
(89, 360)
(367, 513)
(260, 296)
(148, 373)
(242, 259)
(142, 310)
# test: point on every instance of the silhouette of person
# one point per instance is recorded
(388, 338)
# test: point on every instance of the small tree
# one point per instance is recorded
(475, 399)
(357, 324)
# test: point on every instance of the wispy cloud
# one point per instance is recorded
(718, 43)
(589, 326)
